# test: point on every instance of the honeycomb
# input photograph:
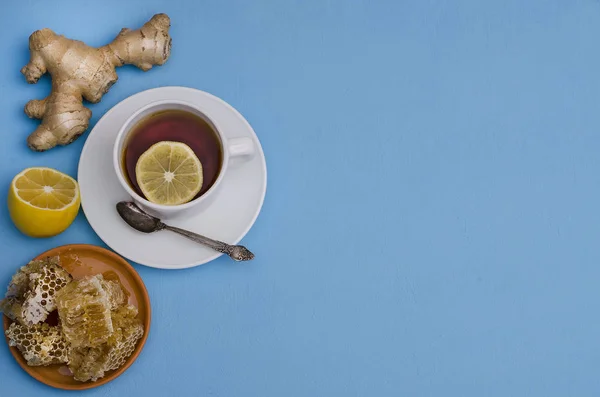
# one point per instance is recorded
(12, 308)
(84, 311)
(40, 344)
(30, 295)
(128, 331)
(91, 363)
(116, 296)
(97, 330)
(88, 363)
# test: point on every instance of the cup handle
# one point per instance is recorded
(239, 147)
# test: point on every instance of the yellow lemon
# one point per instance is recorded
(43, 202)
(169, 173)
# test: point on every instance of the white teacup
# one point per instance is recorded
(230, 147)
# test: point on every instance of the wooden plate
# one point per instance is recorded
(84, 260)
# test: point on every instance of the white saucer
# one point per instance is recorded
(229, 218)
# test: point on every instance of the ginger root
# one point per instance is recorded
(80, 72)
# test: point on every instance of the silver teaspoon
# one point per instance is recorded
(146, 223)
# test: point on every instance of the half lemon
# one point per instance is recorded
(43, 202)
(169, 173)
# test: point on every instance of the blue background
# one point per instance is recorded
(432, 218)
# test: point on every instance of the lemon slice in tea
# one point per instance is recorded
(169, 173)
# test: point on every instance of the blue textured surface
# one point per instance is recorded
(431, 226)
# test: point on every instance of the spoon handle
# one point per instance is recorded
(214, 244)
(236, 252)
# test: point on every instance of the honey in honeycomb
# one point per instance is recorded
(31, 293)
(88, 363)
(97, 331)
(84, 312)
(12, 308)
(128, 331)
(116, 295)
(40, 344)
(91, 363)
